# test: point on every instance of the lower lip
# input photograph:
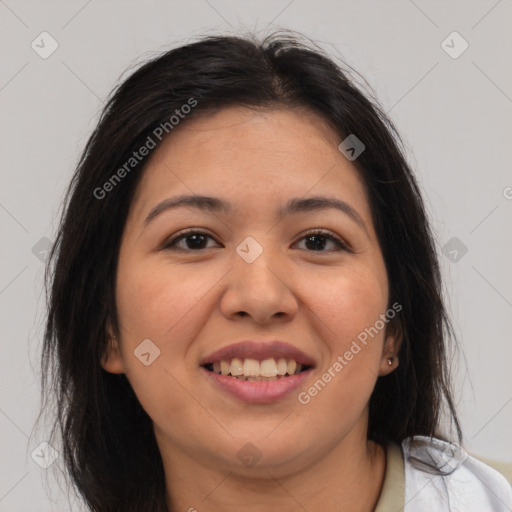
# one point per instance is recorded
(257, 391)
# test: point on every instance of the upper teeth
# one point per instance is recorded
(254, 368)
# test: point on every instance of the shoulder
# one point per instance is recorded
(442, 476)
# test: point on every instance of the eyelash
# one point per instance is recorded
(341, 245)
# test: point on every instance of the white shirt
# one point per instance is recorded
(443, 477)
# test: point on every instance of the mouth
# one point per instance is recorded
(252, 370)
(258, 372)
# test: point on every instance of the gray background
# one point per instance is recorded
(453, 113)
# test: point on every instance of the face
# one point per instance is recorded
(198, 280)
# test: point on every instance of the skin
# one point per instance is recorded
(195, 301)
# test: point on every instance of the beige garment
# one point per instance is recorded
(392, 495)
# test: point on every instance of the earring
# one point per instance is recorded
(390, 361)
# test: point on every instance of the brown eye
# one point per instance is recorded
(319, 239)
(193, 241)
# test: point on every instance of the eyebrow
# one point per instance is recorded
(216, 205)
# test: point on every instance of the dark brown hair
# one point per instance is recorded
(108, 442)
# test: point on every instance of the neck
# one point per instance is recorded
(348, 478)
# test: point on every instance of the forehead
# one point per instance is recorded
(251, 157)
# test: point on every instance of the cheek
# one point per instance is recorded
(350, 304)
(156, 300)
(350, 309)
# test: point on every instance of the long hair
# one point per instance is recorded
(108, 442)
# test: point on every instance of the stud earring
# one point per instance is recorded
(390, 361)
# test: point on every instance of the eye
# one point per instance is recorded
(319, 238)
(193, 240)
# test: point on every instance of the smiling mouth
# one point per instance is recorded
(249, 369)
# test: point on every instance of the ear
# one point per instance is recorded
(112, 360)
(391, 348)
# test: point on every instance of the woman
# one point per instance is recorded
(245, 304)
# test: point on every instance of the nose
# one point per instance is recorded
(261, 290)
